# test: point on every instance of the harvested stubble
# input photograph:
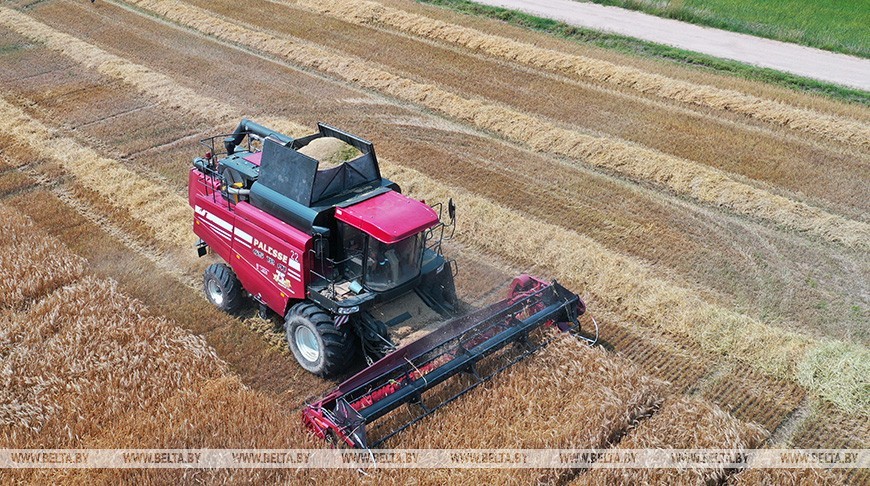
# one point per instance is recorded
(144, 79)
(826, 428)
(83, 356)
(160, 87)
(679, 363)
(750, 396)
(632, 289)
(654, 301)
(567, 396)
(31, 264)
(700, 182)
(586, 68)
(15, 153)
(681, 423)
(627, 285)
(164, 212)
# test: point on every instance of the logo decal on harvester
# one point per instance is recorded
(280, 277)
(271, 251)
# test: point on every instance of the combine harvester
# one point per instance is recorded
(325, 248)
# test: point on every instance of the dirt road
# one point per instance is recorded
(782, 56)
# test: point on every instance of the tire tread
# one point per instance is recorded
(232, 287)
(339, 344)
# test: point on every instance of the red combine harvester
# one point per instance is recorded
(325, 249)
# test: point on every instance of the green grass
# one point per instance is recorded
(632, 46)
(835, 25)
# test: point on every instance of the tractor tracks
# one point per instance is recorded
(485, 207)
(799, 119)
(628, 238)
(148, 251)
(167, 261)
(707, 185)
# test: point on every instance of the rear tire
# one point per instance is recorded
(222, 287)
(318, 346)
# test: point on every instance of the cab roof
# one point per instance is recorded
(389, 217)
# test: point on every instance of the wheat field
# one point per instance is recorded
(731, 290)
(705, 184)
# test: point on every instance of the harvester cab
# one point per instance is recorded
(344, 256)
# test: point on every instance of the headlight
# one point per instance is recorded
(348, 310)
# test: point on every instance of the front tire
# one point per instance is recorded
(222, 287)
(318, 346)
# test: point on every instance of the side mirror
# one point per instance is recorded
(451, 209)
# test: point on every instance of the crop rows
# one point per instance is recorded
(673, 307)
(635, 221)
(739, 145)
(99, 352)
(164, 212)
(791, 347)
(641, 299)
(681, 423)
(702, 183)
(586, 68)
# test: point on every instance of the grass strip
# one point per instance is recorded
(650, 50)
